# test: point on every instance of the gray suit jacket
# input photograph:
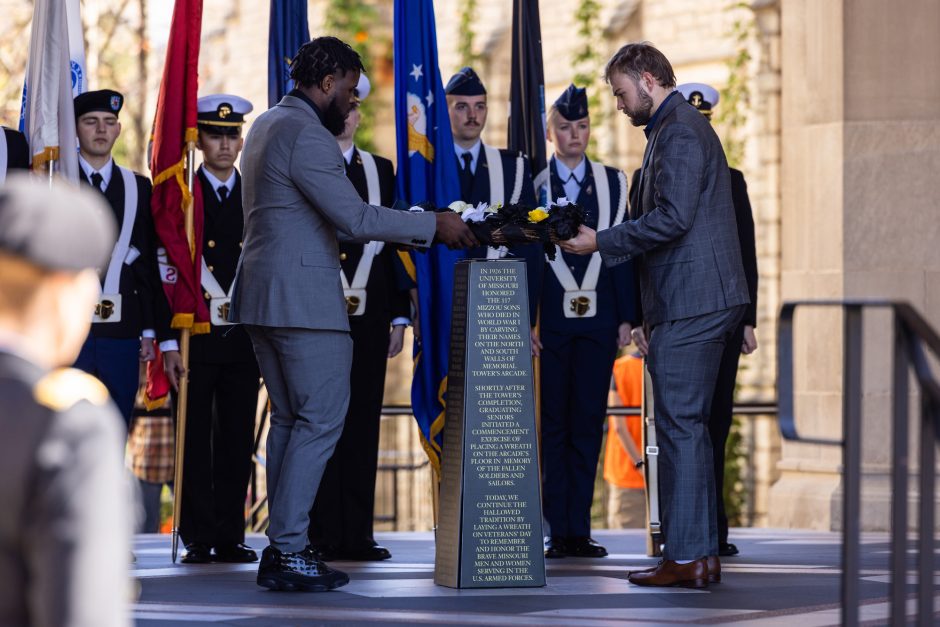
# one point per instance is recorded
(297, 200)
(683, 235)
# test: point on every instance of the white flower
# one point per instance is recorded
(563, 201)
(475, 214)
(459, 206)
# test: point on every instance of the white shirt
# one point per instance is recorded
(474, 155)
(572, 184)
(347, 155)
(216, 183)
(106, 171)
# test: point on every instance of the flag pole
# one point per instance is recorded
(184, 355)
(51, 164)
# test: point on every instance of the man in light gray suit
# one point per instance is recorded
(683, 237)
(297, 202)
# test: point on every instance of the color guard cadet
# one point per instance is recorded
(65, 524)
(488, 174)
(133, 309)
(586, 313)
(14, 152)
(223, 374)
(704, 98)
(342, 515)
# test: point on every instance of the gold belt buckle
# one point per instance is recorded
(223, 310)
(104, 309)
(352, 304)
(580, 305)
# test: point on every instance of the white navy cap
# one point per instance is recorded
(224, 111)
(701, 96)
(364, 87)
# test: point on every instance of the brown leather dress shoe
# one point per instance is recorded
(714, 569)
(669, 573)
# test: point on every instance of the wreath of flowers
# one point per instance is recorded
(507, 225)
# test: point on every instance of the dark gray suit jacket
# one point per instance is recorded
(297, 202)
(683, 234)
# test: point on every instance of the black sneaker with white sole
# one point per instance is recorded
(297, 572)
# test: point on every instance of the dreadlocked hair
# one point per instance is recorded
(322, 57)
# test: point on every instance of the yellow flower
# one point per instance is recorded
(537, 215)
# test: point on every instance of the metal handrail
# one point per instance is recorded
(912, 337)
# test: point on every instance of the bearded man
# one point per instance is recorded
(288, 293)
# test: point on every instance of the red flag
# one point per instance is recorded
(174, 129)
(158, 384)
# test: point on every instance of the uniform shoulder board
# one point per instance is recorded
(63, 388)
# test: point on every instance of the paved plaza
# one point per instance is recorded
(781, 578)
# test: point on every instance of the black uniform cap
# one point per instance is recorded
(57, 228)
(465, 83)
(572, 104)
(106, 100)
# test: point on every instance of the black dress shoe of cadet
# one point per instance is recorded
(197, 553)
(235, 553)
(367, 553)
(585, 547)
(726, 549)
(299, 571)
(555, 547)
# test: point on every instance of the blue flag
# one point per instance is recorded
(288, 32)
(427, 171)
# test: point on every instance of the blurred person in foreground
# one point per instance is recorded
(64, 528)
(684, 238)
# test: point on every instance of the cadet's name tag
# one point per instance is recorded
(218, 311)
(580, 303)
(108, 309)
(355, 301)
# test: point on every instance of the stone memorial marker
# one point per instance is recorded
(489, 532)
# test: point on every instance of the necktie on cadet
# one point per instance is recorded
(466, 177)
(97, 180)
(223, 192)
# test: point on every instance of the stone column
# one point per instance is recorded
(861, 153)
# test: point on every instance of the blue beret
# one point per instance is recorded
(465, 83)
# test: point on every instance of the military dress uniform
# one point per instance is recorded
(14, 152)
(224, 378)
(341, 520)
(582, 305)
(65, 524)
(133, 304)
(496, 176)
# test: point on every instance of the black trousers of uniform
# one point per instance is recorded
(719, 423)
(220, 430)
(576, 370)
(342, 514)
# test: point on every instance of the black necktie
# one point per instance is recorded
(97, 180)
(466, 177)
(223, 192)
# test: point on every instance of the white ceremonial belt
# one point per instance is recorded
(107, 309)
(219, 301)
(355, 301)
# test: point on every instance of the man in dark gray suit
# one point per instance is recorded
(684, 240)
(297, 201)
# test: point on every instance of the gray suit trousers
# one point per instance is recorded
(306, 372)
(683, 361)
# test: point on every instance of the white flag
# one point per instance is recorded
(53, 75)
